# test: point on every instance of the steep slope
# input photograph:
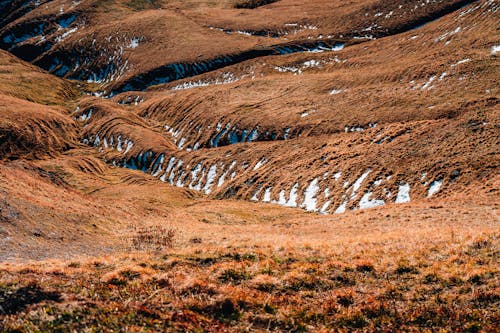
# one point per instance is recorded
(128, 45)
(325, 129)
(335, 130)
(58, 199)
(33, 121)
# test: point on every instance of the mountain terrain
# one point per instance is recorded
(249, 165)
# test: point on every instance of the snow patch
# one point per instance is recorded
(342, 208)
(310, 196)
(292, 200)
(434, 187)
(464, 61)
(267, 195)
(259, 164)
(255, 196)
(427, 85)
(357, 184)
(212, 173)
(282, 198)
(403, 193)
(366, 202)
(134, 42)
(324, 208)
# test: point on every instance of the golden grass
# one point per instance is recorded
(116, 249)
(433, 283)
(27, 82)
(30, 130)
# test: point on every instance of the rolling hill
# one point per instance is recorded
(234, 165)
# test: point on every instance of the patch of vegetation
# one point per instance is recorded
(153, 238)
(231, 275)
(14, 300)
(252, 4)
(229, 292)
(404, 267)
(144, 4)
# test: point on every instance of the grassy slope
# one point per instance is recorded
(227, 265)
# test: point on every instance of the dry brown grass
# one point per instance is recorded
(27, 82)
(153, 238)
(87, 245)
(432, 284)
(29, 130)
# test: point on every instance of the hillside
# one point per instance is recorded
(239, 165)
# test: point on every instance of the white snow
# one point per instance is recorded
(403, 193)
(342, 208)
(172, 173)
(366, 202)
(337, 175)
(267, 195)
(335, 91)
(287, 134)
(319, 49)
(448, 34)
(292, 200)
(225, 78)
(255, 196)
(222, 178)
(310, 196)
(170, 164)
(198, 186)
(246, 33)
(427, 85)
(134, 43)
(254, 135)
(311, 63)
(130, 144)
(212, 173)
(194, 175)
(282, 198)
(324, 208)
(495, 49)
(181, 143)
(159, 166)
(434, 187)
(86, 116)
(353, 129)
(285, 69)
(119, 144)
(179, 180)
(460, 62)
(259, 164)
(357, 184)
